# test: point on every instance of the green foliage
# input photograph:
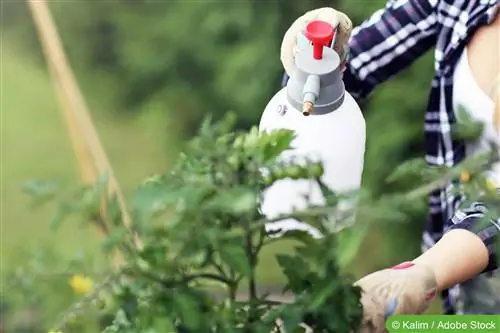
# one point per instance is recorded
(467, 128)
(34, 292)
(202, 233)
(214, 238)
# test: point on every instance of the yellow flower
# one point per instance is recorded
(465, 176)
(81, 284)
(52, 331)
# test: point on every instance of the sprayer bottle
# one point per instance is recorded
(328, 125)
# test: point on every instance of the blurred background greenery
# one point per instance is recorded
(150, 71)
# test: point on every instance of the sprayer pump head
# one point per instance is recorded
(321, 34)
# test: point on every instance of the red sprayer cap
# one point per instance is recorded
(320, 33)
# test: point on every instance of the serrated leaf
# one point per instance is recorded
(295, 269)
(236, 200)
(189, 310)
(291, 319)
(236, 258)
(409, 168)
(349, 243)
(276, 143)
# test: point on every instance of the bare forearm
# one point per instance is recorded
(459, 256)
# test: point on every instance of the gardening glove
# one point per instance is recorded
(339, 21)
(404, 289)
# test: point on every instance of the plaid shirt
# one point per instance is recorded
(387, 43)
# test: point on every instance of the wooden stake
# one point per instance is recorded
(87, 146)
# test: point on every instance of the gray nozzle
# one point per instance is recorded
(310, 93)
(316, 87)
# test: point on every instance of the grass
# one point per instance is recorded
(35, 145)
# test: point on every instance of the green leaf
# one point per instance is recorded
(291, 318)
(189, 310)
(40, 191)
(408, 169)
(238, 200)
(349, 243)
(296, 271)
(162, 324)
(236, 258)
(466, 127)
(331, 198)
(63, 211)
(113, 211)
(39, 188)
(321, 293)
(276, 143)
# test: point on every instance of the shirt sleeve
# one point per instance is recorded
(388, 42)
(475, 219)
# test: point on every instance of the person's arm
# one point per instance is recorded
(459, 256)
(474, 220)
(466, 250)
(388, 42)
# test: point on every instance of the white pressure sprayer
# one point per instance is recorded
(328, 124)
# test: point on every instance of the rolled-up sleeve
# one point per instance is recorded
(477, 220)
(388, 42)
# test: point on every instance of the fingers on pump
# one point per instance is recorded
(289, 43)
(345, 23)
(327, 14)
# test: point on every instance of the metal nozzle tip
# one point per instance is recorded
(307, 108)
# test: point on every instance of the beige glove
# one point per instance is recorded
(341, 23)
(404, 289)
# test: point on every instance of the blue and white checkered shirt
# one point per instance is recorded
(387, 43)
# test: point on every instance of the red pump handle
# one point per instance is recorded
(320, 33)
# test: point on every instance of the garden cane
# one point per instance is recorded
(88, 149)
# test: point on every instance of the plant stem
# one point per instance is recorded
(208, 276)
(168, 283)
(233, 289)
(252, 284)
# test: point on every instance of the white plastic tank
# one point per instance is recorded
(329, 127)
